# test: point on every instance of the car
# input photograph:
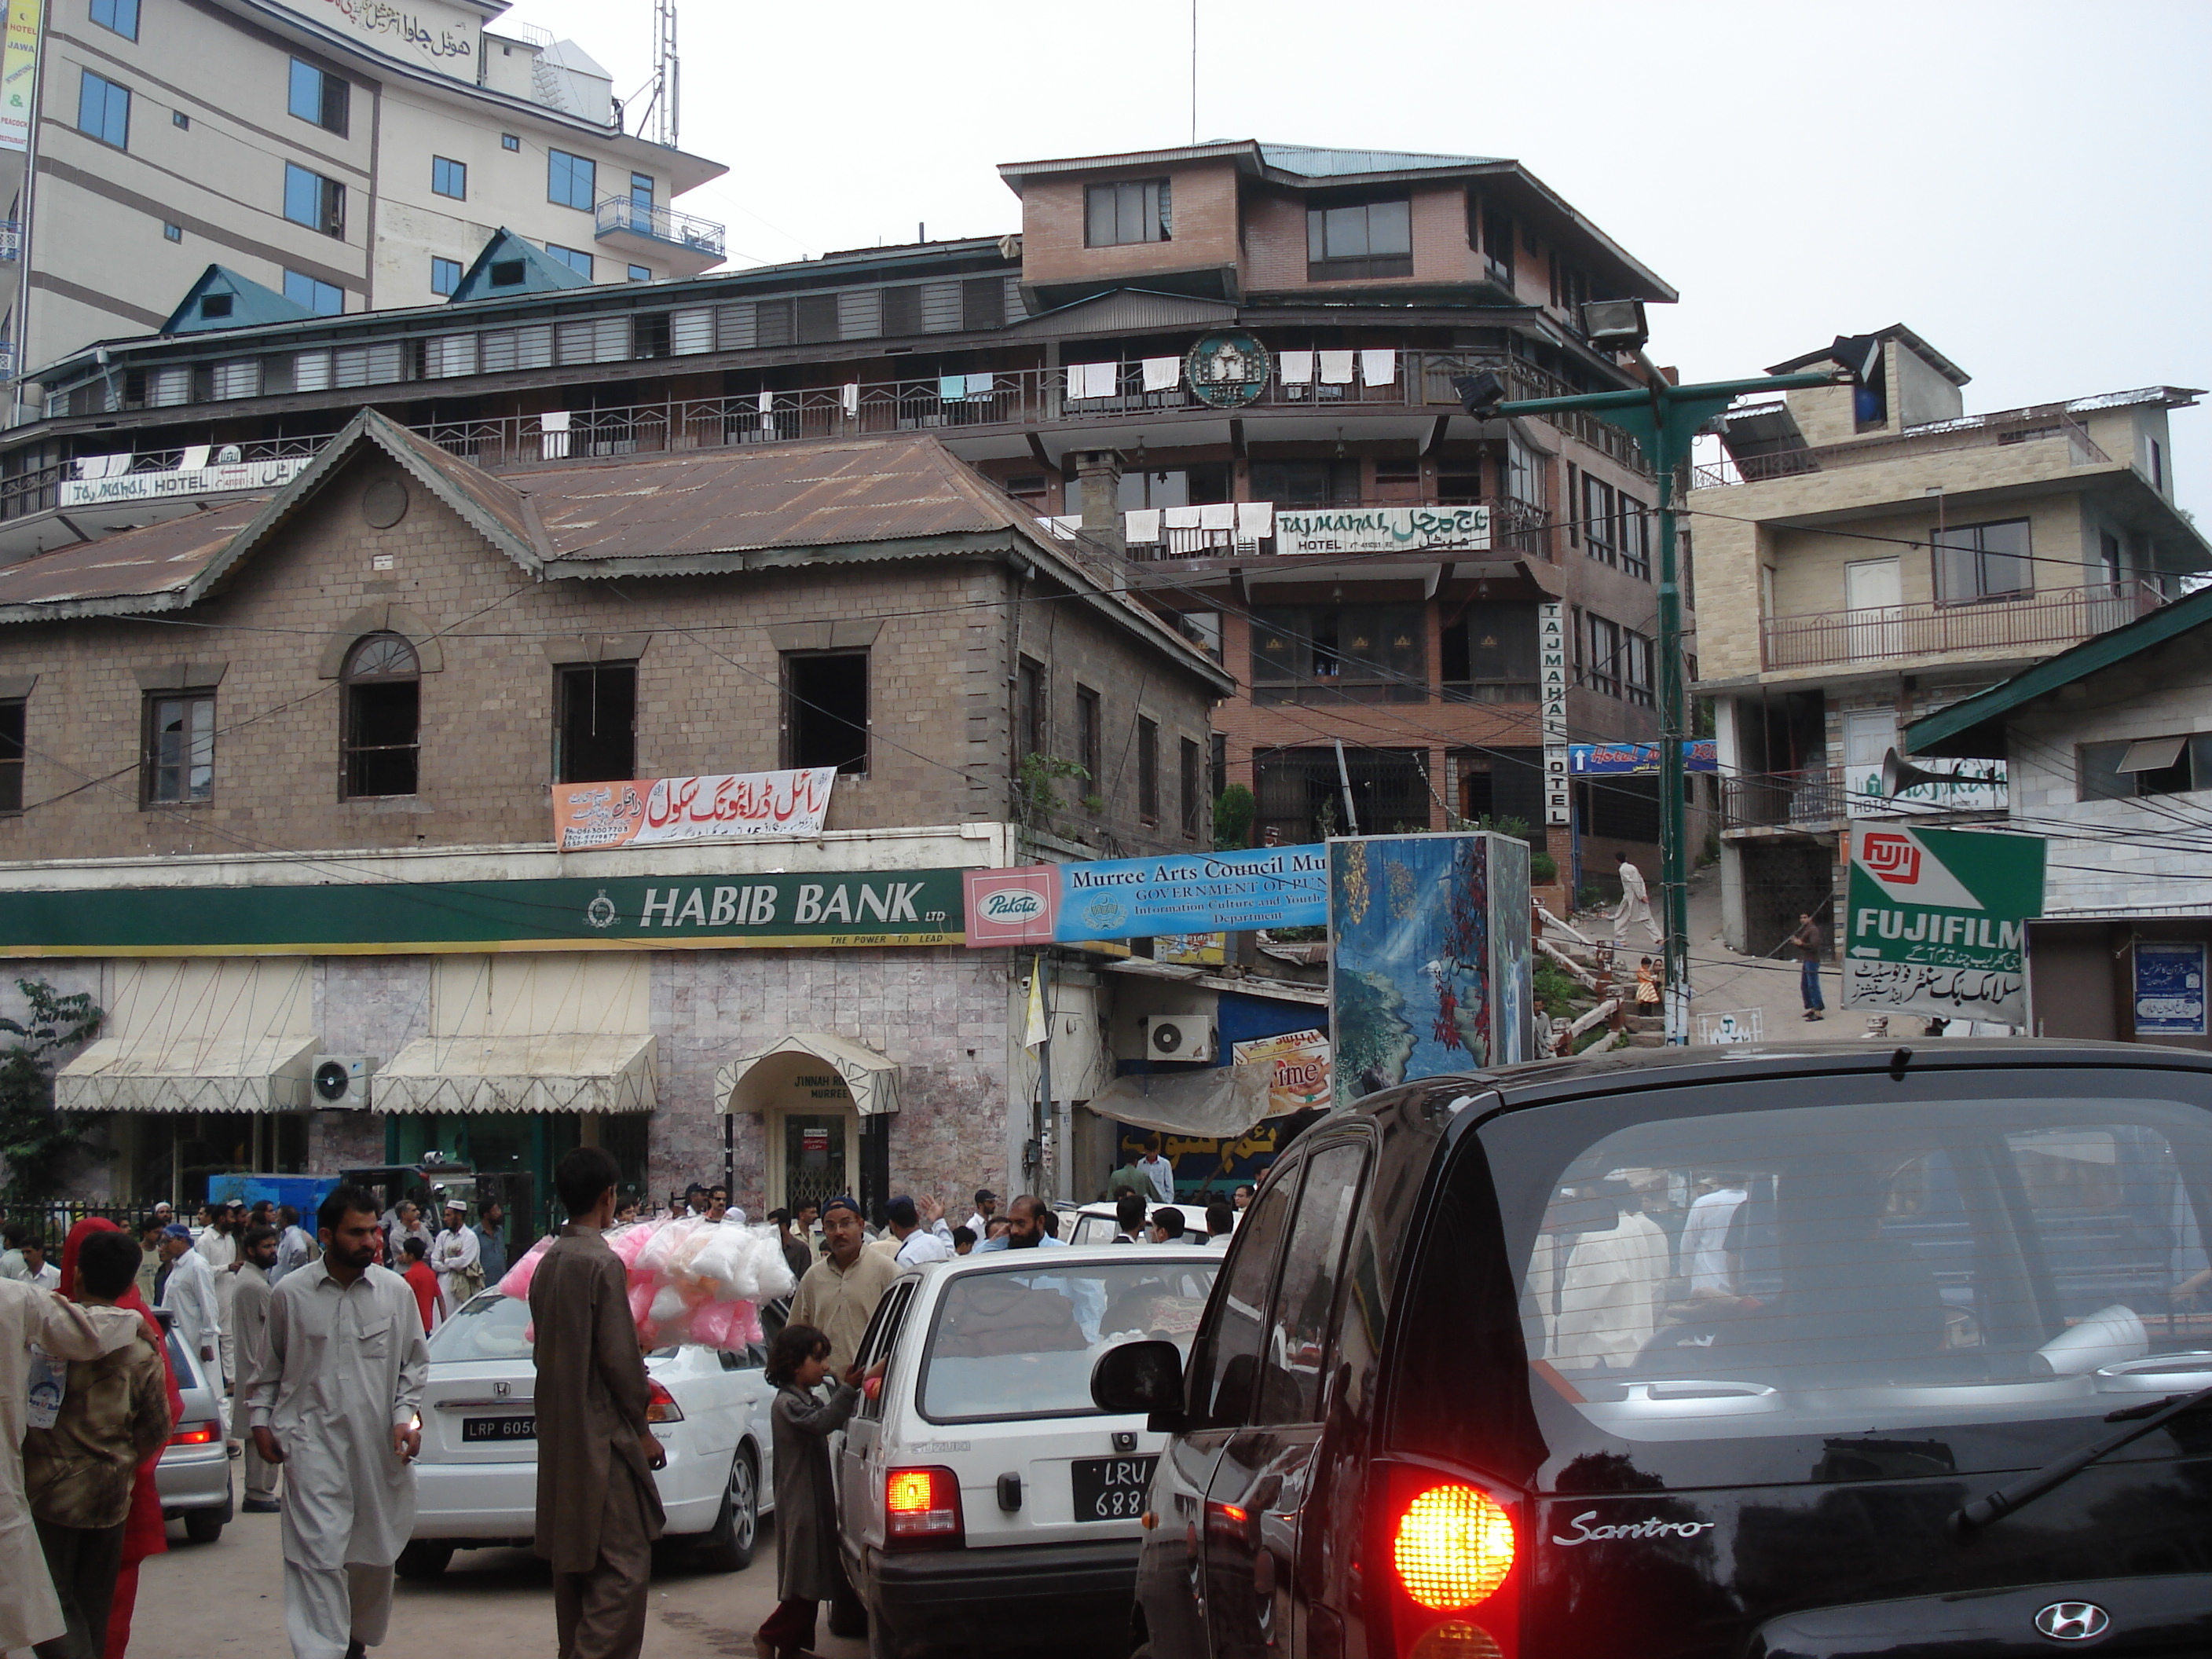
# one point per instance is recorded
(982, 1498)
(193, 1477)
(1097, 1223)
(475, 1479)
(1761, 1350)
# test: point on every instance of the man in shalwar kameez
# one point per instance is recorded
(31, 1317)
(333, 1400)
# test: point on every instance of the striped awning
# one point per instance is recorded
(542, 1073)
(872, 1077)
(170, 1073)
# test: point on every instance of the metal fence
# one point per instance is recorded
(51, 1219)
(2044, 617)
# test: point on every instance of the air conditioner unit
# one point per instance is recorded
(339, 1082)
(1179, 1036)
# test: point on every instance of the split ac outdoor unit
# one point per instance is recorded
(1179, 1036)
(339, 1082)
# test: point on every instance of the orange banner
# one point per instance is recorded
(650, 811)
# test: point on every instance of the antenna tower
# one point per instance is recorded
(666, 76)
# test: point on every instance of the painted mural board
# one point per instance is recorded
(1937, 921)
(1431, 971)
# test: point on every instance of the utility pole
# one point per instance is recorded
(1663, 419)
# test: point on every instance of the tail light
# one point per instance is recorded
(922, 1509)
(197, 1434)
(1450, 1547)
(661, 1406)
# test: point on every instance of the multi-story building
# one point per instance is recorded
(1177, 347)
(347, 157)
(1867, 556)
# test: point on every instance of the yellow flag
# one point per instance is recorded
(1038, 1029)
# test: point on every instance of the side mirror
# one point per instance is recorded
(1140, 1377)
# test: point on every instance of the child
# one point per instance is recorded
(963, 1240)
(422, 1281)
(1647, 985)
(806, 1569)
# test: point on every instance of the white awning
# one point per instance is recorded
(744, 1083)
(545, 1074)
(169, 1074)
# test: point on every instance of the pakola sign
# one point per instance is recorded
(1938, 921)
(876, 908)
(1383, 530)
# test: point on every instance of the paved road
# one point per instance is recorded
(227, 1597)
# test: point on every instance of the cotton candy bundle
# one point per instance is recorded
(688, 1279)
(626, 1243)
(667, 1238)
(517, 1282)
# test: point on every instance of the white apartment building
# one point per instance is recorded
(350, 155)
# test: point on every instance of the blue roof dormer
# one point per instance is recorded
(222, 299)
(511, 265)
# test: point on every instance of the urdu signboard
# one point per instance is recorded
(1937, 922)
(730, 806)
(1383, 529)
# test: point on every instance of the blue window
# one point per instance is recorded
(445, 274)
(571, 180)
(103, 110)
(320, 98)
(574, 258)
(449, 177)
(323, 299)
(640, 191)
(173, 233)
(509, 141)
(313, 201)
(641, 273)
(121, 15)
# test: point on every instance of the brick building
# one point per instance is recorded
(279, 779)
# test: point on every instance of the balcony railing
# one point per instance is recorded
(1812, 798)
(2020, 426)
(660, 224)
(2048, 617)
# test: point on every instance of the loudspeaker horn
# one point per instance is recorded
(1899, 775)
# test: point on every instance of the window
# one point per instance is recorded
(1635, 528)
(1137, 211)
(641, 273)
(640, 193)
(571, 180)
(1598, 506)
(1602, 666)
(1497, 244)
(1148, 770)
(1360, 239)
(178, 118)
(575, 258)
(383, 737)
(1332, 653)
(103, 110)
(449, 177)
(179, 765)
(1491, 656)
(1193, 802)
(1297, 484)
(1089, 737)
(1029, 735)
(1293, 1361)
(445, 274)
(595, 732)
(319, 96)
(816, 319)
(825, 710)
(1224, 1369)
(313, 201)
(509, 141)
(11, 755)
(2146, 766)
(2157, 467)
(322, 298)
(176, 233)
(903, 311)
(509, 273)
(1636, 669)
(121, 15)
(1299, 796)
(1981, 562)
(983, 303)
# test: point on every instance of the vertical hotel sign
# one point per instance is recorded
(18, 73)
(1552, 655)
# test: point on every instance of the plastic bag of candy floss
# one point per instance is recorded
(517, 1282)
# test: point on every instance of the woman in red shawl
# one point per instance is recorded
(143, 1534)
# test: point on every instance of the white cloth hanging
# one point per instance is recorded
(1336, 368)
(767, 403)
(554, 445)
(1255, 520)
(1179, 518)
(1141, 525)
(1217, 515)
(1091, 380)
(1163, 374)
(102, 466)
(1379, 368)
(1295, 368)
(979, 386)
(194, 457)
(848, 397)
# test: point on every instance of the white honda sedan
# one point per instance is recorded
(475, 1481)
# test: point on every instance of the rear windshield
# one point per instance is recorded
(490, 1325)
(1018, 1343)
(1873, 1267)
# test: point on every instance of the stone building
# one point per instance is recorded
(280, 780)
(1867, 556)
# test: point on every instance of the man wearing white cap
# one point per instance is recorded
(457, 1258)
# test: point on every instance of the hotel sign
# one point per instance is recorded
(163, 486)
(1552, 658)
(1383, 530)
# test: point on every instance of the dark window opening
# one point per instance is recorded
(597, 734)
(825, 700)
(1299, 484)
(772, 323)
(1359, 239)
(1983, 561)
(1300, 797)
(507, 273)
(1490, 654)
(649, 335)
(1459, 489)
(1619, 809)
(2148, 766)
(983, 303)
(1089, 737)
(11, 755)
(313, 201)
(1503, 783)
(1148, 770)
(1136, 210)
(382, 743)
(1352, 654)
(902, 311)
(217, 305)
(180, 748)
(320, 97)
(1602, 666)
(1194, 803)
(817, 318)
(1497, 244)
(1029, 712)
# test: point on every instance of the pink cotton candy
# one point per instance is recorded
(626, 1243)
(517, 1282)
(641, 1305)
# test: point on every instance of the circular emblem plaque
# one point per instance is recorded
(1227, 370)
(601, 912)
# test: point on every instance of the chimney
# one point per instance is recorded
(1098, 472)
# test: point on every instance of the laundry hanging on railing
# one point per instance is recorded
(767, 403)
(102, 466)
(1255, 520)
(1217, 515)
(848, 397)
(1179, 518)
(1295, 368)
(1092, 380)
(1140, 526)
(554, 425)
(1336, 368)
(1379, 367)
(194, 457)
(1163, 374)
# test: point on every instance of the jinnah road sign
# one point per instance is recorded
(1938, 921)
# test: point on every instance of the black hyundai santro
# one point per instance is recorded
(1753, 1353)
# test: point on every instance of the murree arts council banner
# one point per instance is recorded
(1145, 898)
(732, 807)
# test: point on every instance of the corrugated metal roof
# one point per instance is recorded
(157, 558)
(1312, 162)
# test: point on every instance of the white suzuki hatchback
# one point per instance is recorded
(983, 1498)
(476, 1482)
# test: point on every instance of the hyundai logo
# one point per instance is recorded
(2073, 1621)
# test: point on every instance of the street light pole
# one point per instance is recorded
(1663, 419)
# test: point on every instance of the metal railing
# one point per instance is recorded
(1811, 799)
(2051, 616)
(662, 224)
(1974, 431)
(37, 490)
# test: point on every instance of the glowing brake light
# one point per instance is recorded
(1454, 1547)
(921, 1506)
(197, 1434)
(661, 1406)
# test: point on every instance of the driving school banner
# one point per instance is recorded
(732, 807)
(1143, 898)
(1937, 922)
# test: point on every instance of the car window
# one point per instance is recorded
(1292, 1363)
(1220, 1386)
(1094, 1229)
(882, 1336)
(1020, 1342)
(491, 1327)
(181, 1363)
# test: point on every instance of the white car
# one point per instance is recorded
(476, 1482)
(1097, 1223)
(984, 1501)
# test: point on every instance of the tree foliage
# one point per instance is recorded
(35, 1140)
(1232, 818)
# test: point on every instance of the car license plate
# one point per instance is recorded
(1111, 1488)
(498, 1428)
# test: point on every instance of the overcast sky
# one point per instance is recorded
(2025, 184)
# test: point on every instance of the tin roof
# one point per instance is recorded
(155, 559)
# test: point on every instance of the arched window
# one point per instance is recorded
(383, 683)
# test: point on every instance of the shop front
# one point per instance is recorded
(824, 1104)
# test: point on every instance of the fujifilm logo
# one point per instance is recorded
(1013, 904)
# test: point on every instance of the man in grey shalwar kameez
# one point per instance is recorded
(333, 1400)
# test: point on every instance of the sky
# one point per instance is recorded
(2023, 184)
